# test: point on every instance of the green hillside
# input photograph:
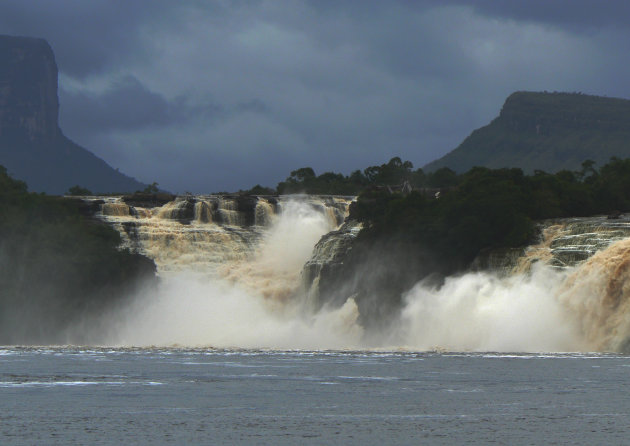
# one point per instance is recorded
(546, 131)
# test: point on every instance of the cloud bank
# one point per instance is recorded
(207, 96)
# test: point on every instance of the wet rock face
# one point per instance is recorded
(322, 271)
(246, 205)
(29, 106)
(184, 212)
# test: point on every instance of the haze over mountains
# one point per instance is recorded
(534, 131)
(546, 131)
(32, 146)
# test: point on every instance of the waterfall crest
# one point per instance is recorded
(206, 234)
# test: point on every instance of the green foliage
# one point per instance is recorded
(420, 236)
(443, 177)
(9, 186)
(493, 207)
(150, 189)
(611, 188)
(303, 174)
(304, 180)
(489, 208)
(393, 173)
(259, 190)
(78, 191)
(55, 266)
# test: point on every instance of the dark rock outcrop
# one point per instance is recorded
(324, 270)
(32, 147)
(246, 205)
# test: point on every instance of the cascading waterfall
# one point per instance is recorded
(230, 270)
(207, 233)
(597, 294)
(551, 299)
(243, 272)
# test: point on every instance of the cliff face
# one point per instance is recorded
(546, 131)
(28, 89)
(32, 147)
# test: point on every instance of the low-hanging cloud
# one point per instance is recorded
(127, 104)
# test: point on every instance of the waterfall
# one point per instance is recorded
(231, 273)
(210, 235)
(245, 272)
(567, 242)
(568, 292)
(115, 209)
(597, 294)
(563, 243)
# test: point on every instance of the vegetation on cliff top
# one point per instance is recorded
(410, 237)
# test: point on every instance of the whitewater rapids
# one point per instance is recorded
(219, 290)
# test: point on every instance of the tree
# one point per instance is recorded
(587, 169)
(151, 189)
(443, 177)
(394, 172)
(260, 190)
(303, 174)
(78, 190)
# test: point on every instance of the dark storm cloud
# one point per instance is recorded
(577, 14)
(211, 95)
(87, 36)
(128, 105)
(583, 13)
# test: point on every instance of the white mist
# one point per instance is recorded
(481, 312)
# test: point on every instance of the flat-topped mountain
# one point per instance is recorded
(546, 131)
(32, 146)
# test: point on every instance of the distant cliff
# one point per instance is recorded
(32, 147)
(546, 131)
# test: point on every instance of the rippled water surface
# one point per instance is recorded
(172, 396)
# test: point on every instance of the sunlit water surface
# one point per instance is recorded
(172, 396)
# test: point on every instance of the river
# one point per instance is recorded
(186, 396)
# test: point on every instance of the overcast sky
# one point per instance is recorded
(205, 96)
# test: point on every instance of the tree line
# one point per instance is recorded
(394, 172)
